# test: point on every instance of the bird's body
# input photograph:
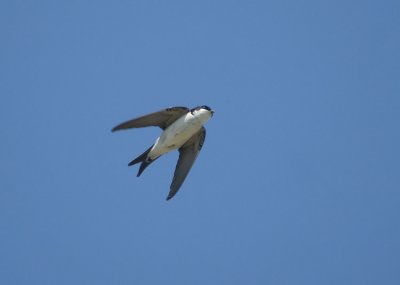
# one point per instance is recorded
(182, 129)
(179, 132)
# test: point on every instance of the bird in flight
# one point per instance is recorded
(182, 129)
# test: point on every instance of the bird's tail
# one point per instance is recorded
(144, 161)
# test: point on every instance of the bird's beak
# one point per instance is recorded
(212, 112)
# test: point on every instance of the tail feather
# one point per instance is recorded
(143, 159)
(143, 166)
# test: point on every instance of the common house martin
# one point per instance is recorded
(182, 129)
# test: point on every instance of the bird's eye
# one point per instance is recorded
(206, 107)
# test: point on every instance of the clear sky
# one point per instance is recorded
(298, 181)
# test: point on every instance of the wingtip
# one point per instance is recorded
(170, 196)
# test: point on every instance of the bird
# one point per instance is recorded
(183, 129)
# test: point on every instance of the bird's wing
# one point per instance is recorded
(162, 119)
(187, 155)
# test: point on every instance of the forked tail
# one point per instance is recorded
(144, 161)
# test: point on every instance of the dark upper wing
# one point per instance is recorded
(187, 155)
(161, 119)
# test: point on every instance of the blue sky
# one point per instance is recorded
(297, 182)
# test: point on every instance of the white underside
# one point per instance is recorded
(178, 133)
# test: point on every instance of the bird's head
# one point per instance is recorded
(204, 109)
